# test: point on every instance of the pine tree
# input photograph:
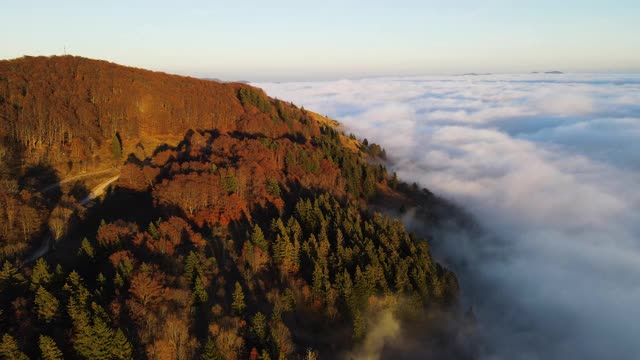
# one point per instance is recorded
(9, 349)
(259, 326)
(116, 146)
(9, 275)
(40, 274)
(238, 304)
(257, 238)
(210, 352)
(48, 349)
(95, 342)
(265, 355)
(86, 248)
(317, 281)
(192, 266)
(77, 304)
(46, 305)
(153, 230)
(200, 290)
(118, 281)
(273, 188)
(59, 273)
(122, 349)
(394, 181)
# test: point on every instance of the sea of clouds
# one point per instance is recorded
(550, 164)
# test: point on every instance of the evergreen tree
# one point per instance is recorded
(229, 181)
(77, 303)
(46, 304)
(200, 290)
(238, 304)
(41, 274)
(257, 238)
(153, 230)
(86, 248)
(273, 188)
(96, 341)
(317, 281)
(9, 275)
(259, 326)
(192, 266)
(265, 355)
(116, 146)
(59, 273)
(48, 349)
(210, 352)
(9, 349)
(394, 181)
(122, 349)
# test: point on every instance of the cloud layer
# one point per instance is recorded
(548, 163)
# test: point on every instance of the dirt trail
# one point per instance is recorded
(77, 177)
(45, 246)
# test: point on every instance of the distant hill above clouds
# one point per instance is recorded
(554, 72)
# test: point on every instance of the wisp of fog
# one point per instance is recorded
(550, 164)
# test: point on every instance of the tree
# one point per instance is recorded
(175, 336)
(210, 352)
(318, 282)
(147, 288)
(257, 238)
(238, 304)
(200, 290)
(48, 349)
(9, 275)
(273, 188)
(153, 230)
(95, 341)
(116, 146)
(86, 248)
(79, 296)
(122, 349)
(9, 349)
(265, 355)
(394, 181)
(46, 305)
(259, 326)
(282, 337)
(256, 259)
(40, 274)
(59, 221)
(192, 266)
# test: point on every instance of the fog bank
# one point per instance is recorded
(550, 165)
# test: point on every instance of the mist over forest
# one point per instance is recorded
(547, 164)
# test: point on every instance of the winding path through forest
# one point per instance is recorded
(76, 177)
(45, 246)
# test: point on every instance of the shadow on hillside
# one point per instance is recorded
(79, 191)
(42, 178)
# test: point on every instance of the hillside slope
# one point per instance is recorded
(67, 108)
(251, 237)
(61, 116)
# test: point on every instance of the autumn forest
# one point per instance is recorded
(229, 225)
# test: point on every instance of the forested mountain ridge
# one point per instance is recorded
(248, 238)
(72, 106)
(61, 116)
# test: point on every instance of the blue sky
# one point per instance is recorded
(296, 40)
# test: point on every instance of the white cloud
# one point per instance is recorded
(549, 163)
